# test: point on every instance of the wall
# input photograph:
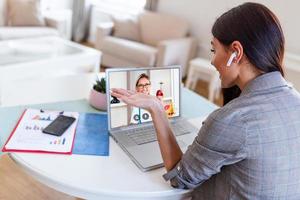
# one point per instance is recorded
(119, 116)
(56, 4)
(202, 14)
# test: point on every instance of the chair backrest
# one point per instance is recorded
(156, 27)
(3, 12)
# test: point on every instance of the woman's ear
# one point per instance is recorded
(237, 47)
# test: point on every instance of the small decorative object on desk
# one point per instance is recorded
(98, 95)
(114, 100)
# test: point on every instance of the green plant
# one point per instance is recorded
(100, 86)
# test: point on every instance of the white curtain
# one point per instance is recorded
(81, 19)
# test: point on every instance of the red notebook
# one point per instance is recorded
(27, 136)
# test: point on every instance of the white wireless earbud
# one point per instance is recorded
(233, 55)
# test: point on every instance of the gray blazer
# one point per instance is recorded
(248, 149)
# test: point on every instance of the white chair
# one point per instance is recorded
(152, 39)
(57, 23)
(202, 69)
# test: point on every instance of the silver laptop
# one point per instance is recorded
(132, 127)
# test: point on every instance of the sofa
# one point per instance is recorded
(149, 39)
(17, 20)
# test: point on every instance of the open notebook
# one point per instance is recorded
(27, 135)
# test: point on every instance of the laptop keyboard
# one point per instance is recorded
(147, 134)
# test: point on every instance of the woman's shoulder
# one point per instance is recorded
(245, 107)
(223, 126)
(231, 113)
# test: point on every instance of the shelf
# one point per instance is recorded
(118, 105)
(167, 98)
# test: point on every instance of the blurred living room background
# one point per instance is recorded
(139, 33)
(42, 38)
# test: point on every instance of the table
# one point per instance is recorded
(43, 57)
(95, 177)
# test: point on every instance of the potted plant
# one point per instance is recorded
(98, 95)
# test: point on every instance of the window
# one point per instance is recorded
(120, 7)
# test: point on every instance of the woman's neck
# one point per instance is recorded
(246, 75)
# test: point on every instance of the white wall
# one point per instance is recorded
(119, 112)
(56, 4)
(158, 76)
(201, 15)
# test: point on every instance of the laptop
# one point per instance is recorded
(132, 128)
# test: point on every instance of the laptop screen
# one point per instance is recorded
(163, 83)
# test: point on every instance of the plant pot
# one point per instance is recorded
(98, 100)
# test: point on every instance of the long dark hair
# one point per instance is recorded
(259, 31)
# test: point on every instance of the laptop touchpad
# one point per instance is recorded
(147, 154)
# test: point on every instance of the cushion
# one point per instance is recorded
(7, 33)
(129, 50)
(24, 13)
(156, 27)
(109, 60)
(126, 28)
(2, 12)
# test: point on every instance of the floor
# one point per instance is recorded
(17, 185)
(202, 89)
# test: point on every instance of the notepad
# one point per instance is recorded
(27, 135)
(92, 136)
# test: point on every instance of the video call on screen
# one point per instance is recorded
(162, 83)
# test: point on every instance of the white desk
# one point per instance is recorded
(92, 177)
(96, 177)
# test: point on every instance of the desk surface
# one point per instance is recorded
(91, 177)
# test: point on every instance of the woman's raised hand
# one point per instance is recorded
(147, 102)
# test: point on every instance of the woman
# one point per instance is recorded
(143, 84)
(250, 147)
(138, 115)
